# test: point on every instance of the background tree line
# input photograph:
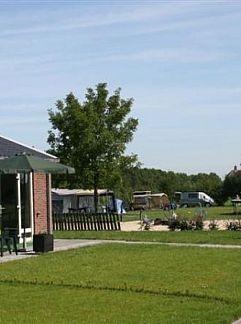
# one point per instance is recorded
(169, 182)
(137, 178)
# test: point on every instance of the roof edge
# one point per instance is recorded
(29, 147)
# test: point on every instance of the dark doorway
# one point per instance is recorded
(9, 200)
(25, 200)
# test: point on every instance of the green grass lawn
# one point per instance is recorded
(211, 213)
(116, 283)
(199, 237)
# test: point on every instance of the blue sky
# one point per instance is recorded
(179, 60)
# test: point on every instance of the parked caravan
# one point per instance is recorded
(196, 198)
(80, 200)
(159, 200)
(143, 200)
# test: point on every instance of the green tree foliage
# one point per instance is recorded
(92, 136)
(209, 183)
(232, 186)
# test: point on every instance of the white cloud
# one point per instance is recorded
(14, 61)
(21, 121)
(21, 108)
(118, 15)
(175, 55)
(202, 24)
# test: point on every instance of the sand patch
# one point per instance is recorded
(137, 226)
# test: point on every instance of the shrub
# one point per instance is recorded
(185, 225)
(234, 226)
(199, 222)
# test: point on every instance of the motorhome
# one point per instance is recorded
(197, 198)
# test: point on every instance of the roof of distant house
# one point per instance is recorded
(234, 172)
(9, 148)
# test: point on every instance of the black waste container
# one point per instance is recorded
(43, 242)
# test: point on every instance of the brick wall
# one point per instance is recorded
(40, 203)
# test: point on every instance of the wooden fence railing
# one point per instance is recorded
(86, 222)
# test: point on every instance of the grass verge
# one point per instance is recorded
(198, 237)
(123, 284)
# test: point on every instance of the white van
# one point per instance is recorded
(196, 198)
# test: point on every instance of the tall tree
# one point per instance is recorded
(92, 136)
(232, 185)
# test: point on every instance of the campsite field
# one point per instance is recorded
(116, 283)
(210, 213)
(199, 237)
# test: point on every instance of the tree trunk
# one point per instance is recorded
(96, 199)
(96, 183)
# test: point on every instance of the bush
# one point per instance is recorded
(161, 221)
(185, 225)
(199, 222)
(234, 226)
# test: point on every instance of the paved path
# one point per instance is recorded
(237, 322)
(64, 244)
(59, 245)
(222, 246)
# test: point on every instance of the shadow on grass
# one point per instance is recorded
(231, 214)
(121, 288)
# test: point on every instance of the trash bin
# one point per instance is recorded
(43, 242)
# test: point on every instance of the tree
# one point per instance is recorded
(92, 136)
(232, 185)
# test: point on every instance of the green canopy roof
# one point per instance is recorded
(30, 163)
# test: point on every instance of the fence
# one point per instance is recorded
(86, 222)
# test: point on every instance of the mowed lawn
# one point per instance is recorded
(118, 283)
(209, 213)
(198, 237)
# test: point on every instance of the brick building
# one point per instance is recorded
(25, 199)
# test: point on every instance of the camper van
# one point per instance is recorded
(197, 198)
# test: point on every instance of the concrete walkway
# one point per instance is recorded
(237, 322)
(64, 244)
(59, 245)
